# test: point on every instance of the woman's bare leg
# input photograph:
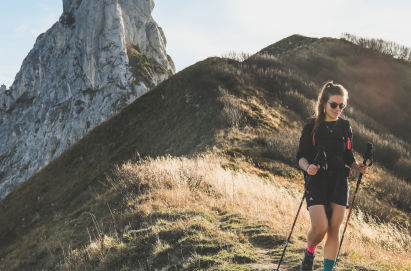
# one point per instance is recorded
(332, 238)
(319, 224)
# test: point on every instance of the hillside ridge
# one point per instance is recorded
(368, 75)
(222, 137)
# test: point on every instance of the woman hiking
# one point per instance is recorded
(327, 191)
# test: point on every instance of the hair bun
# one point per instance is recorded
(329, 85)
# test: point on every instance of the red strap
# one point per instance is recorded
(314, 139)
(349, 144)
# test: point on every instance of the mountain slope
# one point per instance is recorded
(245, 110)
(149, 126)
(181, 116)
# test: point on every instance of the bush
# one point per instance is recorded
(264, 61)
(232, 113)
(403, 169)
(237, 56)
(387, 149)
(300, 104)
(283, 146)
(395, 191)
(368, 122)
(382, 46)
(369, 207)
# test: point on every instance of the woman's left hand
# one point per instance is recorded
(361, 168)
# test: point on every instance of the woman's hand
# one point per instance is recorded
(312, 169)
(360, 167)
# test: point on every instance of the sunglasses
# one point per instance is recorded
(334, 105)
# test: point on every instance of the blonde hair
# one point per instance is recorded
(327, 90)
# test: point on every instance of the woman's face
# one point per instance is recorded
(333, 113)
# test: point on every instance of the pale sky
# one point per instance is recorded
(198, 29)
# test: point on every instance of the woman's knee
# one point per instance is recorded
(335, 223)
(334, 229)
(319, 230)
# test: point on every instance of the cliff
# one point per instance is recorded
(99, 57)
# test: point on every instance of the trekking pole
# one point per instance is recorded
(316, 162)
(368, 155)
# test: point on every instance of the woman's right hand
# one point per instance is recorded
(312, 169)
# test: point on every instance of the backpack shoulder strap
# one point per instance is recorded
(312, 124)
(347, 132)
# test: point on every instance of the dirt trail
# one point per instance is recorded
(268, 260)
(269, 256)
(269, 247)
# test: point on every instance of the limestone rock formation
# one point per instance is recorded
(99, 57)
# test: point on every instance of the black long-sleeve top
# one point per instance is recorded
(338, 155)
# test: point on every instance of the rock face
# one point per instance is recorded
(99, 57)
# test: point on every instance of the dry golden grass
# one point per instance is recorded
(201, 183)
(175, 201)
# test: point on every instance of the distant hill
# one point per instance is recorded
(378, 84)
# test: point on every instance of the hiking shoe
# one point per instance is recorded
(307, 264)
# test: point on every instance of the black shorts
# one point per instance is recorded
(336, 188)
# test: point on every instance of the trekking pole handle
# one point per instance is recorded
(369, 152)
(321, 150)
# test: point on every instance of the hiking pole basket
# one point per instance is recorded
(320, 152)
(368, 155)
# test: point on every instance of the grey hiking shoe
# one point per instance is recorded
(307, 264)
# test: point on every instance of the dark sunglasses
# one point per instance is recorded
(334, 105)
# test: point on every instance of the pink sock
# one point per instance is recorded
(311, 249)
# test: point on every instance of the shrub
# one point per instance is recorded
(395, 191)
(368, 122)
(369, 207)
(382, 46)
(283, 146)
(264, 61)
(232, 113)
(387, 149)
(237, 56)
(299, 103)
(403, 168)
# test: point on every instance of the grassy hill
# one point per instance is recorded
(379, 85)
(227, 204)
